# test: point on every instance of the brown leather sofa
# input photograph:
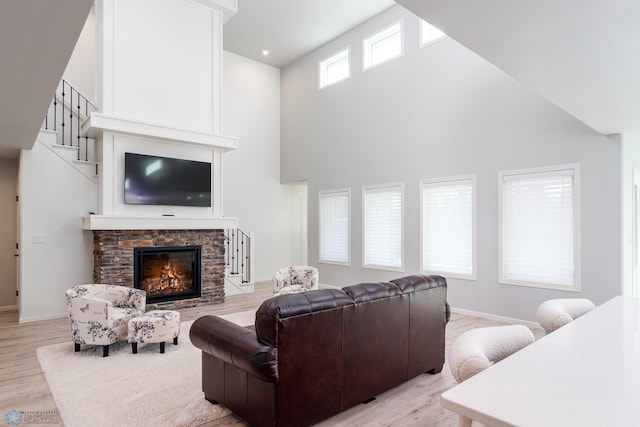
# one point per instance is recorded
(317, 353)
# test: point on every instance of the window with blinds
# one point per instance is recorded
(335, 226)
(539, 228)
(383, 227)
(448, 227)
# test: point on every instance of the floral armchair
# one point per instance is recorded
(294, 279)
(99, 314)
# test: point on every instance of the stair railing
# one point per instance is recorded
(238, 253)
(66, 114)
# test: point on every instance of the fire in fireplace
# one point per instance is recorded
(167, 273)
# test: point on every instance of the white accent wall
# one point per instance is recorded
(443, 111)
(252, 189)
(8, 232)
(160, 62)
(55, 253)
(159, 90)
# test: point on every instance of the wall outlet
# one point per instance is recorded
(37, 238)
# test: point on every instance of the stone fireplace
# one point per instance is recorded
(116, 253)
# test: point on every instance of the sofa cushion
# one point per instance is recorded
(418, 282)
(289, 305)
(365, 292)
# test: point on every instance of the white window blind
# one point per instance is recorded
(383, 244)
(448, 227)
(334, 69)
(382, 46)
(539, 223)
(335, 231)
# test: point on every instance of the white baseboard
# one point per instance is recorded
(41, 318)
(528, 323)
(6, 308)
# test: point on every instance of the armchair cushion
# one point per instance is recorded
(289, 280)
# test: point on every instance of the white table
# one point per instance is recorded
(586, 373)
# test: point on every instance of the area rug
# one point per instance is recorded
(125, 389)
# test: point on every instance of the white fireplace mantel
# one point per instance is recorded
(122, 222)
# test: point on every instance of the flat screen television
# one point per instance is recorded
(154, 180)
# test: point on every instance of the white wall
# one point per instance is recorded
(8, 231)
(53, 198)
(159, 62)
(159, 80)
(251, 189)
(443, 111)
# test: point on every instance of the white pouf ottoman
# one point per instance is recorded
(475, 350)
(555, 313)
(156, 326)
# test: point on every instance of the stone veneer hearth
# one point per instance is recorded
(113, 259)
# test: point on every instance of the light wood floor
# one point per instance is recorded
(414, 403)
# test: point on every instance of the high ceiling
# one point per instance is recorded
(290, 28)
(37, 38)
(582, 55)
(579, 54)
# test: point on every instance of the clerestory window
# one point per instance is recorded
(334, 68)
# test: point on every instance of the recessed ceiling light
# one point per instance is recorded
(265, 52)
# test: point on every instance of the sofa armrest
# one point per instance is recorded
(235, 345)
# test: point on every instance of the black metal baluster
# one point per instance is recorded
(55, 112)
(78, 124)
(71, 117)
(248, 260)
(242, 272)
(62, 124)
(236, 251)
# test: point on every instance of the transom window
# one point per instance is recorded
(383, 46)
(539, 223)
(335, 227)
(429, 33)
(334, 68)
(383, 244)
(448, 226)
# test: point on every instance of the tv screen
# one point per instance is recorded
(153, 180)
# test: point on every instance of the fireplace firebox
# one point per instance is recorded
(167, 273)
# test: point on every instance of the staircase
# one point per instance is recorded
(238, 267)
(61, 129)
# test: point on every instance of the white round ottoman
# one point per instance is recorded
(156, 326)
(555, 313)
(475, 350)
